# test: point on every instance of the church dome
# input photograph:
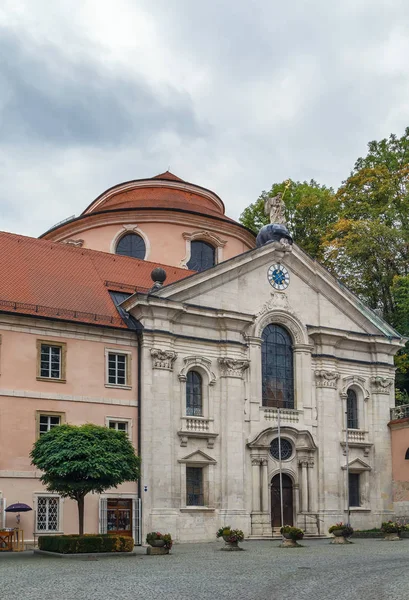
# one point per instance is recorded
(163, 218)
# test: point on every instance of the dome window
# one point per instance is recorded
(132, 245)
(202, 256)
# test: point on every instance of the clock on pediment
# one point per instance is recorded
(278, 277)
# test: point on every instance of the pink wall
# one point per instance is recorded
(83, 398)
(400, 465)
(164, 240)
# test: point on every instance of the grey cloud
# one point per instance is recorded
(51, 98)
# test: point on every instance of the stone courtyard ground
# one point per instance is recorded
(365, 570)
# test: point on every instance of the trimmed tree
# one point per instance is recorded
(77, 460)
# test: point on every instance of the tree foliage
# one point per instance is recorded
(76, 460)
(309, 209)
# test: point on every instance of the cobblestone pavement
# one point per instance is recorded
(364, 570)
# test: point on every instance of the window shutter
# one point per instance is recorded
(103, 510)
(135, 521)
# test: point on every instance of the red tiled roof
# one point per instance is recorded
(168, 198)
(168, 175)
(44, 278)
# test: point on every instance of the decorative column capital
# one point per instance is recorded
(264, 462)
(233, 367)
(163, 359)
(255, 461)
(381, 385)
(326, 379)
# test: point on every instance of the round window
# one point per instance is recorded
(286, 449)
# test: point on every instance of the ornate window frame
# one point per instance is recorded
(204, 236)
(131, 228)
(191, 426)
(60, 528)
(206, 463)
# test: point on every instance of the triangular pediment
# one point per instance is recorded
(198, 457)
(313, 294)
(357, 465)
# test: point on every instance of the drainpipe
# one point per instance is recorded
(139, 427)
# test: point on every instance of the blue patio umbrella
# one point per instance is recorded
(18, 508)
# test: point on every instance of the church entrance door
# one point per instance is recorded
(287, 501)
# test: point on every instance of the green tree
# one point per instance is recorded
(76, 460)
(310, 209)
(369, 244)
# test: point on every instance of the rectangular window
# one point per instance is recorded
(46, 422)
(48, 510)
(354, 489)
(117, 369)
(194, 486)
(51, 360)
(118, 425)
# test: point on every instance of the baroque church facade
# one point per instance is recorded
(199, 343)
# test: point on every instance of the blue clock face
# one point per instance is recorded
(278, 277)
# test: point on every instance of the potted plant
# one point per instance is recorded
(341, 532)
(291, 535)
(231, 537)
(159, 540)
(391, 530)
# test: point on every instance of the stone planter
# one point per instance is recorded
(157, 543)
(391, 537)
(339, 538)
(230, 546)
(289, 543)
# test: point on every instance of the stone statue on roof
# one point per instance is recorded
(274, 208)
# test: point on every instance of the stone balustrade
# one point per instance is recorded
(287, 415)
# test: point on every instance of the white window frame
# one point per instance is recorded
(59, 529)
(62, 360)
(109, 420)
(128, 364)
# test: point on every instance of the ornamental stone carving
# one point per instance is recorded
(233, 367)
(326, 379)
(197, 361)
(78, 243)
(381, 385)
(163, 359)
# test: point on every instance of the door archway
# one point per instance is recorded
(288, 505)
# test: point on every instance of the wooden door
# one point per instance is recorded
(287, 501)
(119, 516)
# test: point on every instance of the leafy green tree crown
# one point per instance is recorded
(76, 460)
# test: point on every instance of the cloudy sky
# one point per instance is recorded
(230, 94)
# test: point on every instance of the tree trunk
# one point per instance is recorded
(80, 501)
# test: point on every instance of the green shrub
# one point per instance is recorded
(83, 544)
(391, 527)
(347, 530)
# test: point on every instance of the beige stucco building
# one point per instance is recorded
(197, 371)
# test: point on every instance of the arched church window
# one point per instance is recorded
(202, 256)
(194, 396)
(131, 244)
(277, 367)
(352, 409)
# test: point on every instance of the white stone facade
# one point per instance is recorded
(212, 323)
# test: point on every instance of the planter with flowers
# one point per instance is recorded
(391, 531)
(291, 535)
(341, 532)
(160, 543)
(231, 537)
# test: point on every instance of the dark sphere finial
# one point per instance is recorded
(158, 275)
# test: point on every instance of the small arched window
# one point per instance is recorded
(194, 396)
(277, 367)
(132, 245)
(352, 409)
(202, 256)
